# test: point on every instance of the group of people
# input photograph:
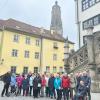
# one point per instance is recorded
(60, 86)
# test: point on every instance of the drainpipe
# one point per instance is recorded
(41, 55)
(2, 39)
(78, 23)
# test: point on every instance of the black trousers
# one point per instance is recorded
(59, 94)
(5, 89)
(39, 89)
(31, 90)
(25, 91)
(47, 92)
(19, 90)
(52, 93)
(88, 93)
(66, 93)
(35, 93)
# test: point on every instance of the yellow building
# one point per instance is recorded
(25, 48)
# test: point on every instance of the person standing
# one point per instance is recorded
(19, 80)
(51, 86)
(25, 85)
(66, 86)
(72, 85)
(35, 87)
(39, 83)
(6, 80)
(87, 82)
(47, 87)
(43, 85)
(57, 85)
(31, 83)
(13, 83)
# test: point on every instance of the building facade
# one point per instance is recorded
(25, 48)
(87, 14)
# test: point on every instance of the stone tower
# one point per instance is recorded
(56, 22)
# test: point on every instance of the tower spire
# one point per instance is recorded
(56, 22)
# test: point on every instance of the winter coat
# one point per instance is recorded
(78, 79)
(73, 84)
(25, 83)
(7, 78)
(19, 80)
(43, 83)
(51, 82)
(57, 83)
(65, 82)
(35, 83)
(87, 81)
(81, 90)
(31, 81)
(47, 80)
(13, 81)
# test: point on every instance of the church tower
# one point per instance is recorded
(56, 22)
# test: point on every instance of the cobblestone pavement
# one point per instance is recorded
(95, 96)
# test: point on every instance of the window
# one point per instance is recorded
(97, 1)
(25, 70)
(13, 69)
(54, 69)
(16, 38)
(14, 53)
(27, 40)
(96, 20)
(91, 22)
(91, 2)
(37, 42)
(85, 25)
(26, 54)
(47, 69)
(55, 45)
(85, 4)
(55, 57)
(88, 3)
(36, 55)
(35, 69)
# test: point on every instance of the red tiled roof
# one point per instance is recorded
(31, 30)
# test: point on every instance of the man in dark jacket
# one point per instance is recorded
(51, 86)
(81, 92)
(35, 87)
(87, 82)
(6, 80)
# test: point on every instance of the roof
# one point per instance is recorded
(29, 29)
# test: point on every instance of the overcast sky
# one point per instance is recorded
(38, 13)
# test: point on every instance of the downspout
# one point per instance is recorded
(2, 39)
(78, 23)
(41, 49)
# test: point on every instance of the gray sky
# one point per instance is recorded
(38, 13)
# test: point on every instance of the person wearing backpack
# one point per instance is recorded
(65, 86)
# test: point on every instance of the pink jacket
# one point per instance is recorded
(19, 80)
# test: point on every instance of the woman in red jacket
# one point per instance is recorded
(43, 85)
(65, 86)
